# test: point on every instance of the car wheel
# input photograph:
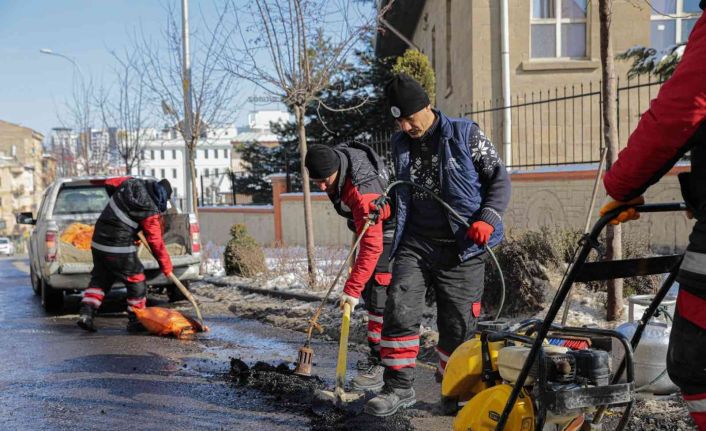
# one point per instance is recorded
(35, 282)
(174, 294)
(52, 299)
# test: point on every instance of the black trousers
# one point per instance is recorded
(420, 264)
(686, 356)
(111, 267)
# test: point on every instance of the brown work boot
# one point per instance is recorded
(369, 379)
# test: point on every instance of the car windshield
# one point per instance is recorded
(81, 200)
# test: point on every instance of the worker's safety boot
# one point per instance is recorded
(389, 400)
(369, 378)
(133, 324)
(85, 318)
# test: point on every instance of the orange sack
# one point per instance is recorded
(166, 322)
(79, 235)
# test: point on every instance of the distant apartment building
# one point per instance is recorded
(258, 130)
(22, 178)
(163, 157)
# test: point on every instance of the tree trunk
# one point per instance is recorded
(614, 250)
(308, 221)
(194, 188)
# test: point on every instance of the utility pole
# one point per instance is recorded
(188, 112)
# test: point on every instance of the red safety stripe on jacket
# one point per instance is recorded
(664, 129)
(153, 233)
(370, 247)
(475, 308)
(692, 308)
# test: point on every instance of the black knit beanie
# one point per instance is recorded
(167, 187)
(405, 96)
(321, 161)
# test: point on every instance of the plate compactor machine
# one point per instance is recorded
(541, 376)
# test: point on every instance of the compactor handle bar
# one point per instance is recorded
(564, 288)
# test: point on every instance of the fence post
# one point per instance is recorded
(279, 186)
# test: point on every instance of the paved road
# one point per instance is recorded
(55, 376)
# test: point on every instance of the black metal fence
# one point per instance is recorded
(563, 126)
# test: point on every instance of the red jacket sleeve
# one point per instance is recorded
(153, 233)
(661, 136)
(370, 247)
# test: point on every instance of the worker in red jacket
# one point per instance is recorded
(354, 176)
(135, 205)
(675, 124)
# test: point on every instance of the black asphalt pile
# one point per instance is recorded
(279, 381)
(297, 392)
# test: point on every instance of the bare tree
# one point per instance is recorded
(124, 106)
(291, 49)
(213, 88)
(91, 156)
(614, 248)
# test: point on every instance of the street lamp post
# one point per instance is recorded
(76, 71)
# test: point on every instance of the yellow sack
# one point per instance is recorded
(166, 322)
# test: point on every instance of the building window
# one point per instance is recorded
(161, 154)
(449, 86)
(558, 29)
(174, 154)
(225, 153)
(672, 22)
(215, 172)
(143, 172)
(205, 172)
(163, 173)
(205, 154)
(174, 173)
(153, 173)
(152, 155)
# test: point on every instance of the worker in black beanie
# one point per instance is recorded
(432, 249)
(354, 176)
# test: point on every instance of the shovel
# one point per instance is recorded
(325, 399)
(176, 281)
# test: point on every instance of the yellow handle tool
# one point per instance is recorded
(343, 351)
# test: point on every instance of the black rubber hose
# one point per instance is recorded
(465, 223)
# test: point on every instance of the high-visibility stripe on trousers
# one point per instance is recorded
(93, 296)
(697, 409)
(399, 352)
(374, 330)
(443, 360)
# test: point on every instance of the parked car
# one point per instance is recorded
(7, 248)
(57, 267)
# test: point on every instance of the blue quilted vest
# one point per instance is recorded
(460, 185)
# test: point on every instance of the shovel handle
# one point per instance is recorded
(342, 363)
(176, 281)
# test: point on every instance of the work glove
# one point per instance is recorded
(480, 232)
(624, 216)
(379, 209)
(349, 299)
